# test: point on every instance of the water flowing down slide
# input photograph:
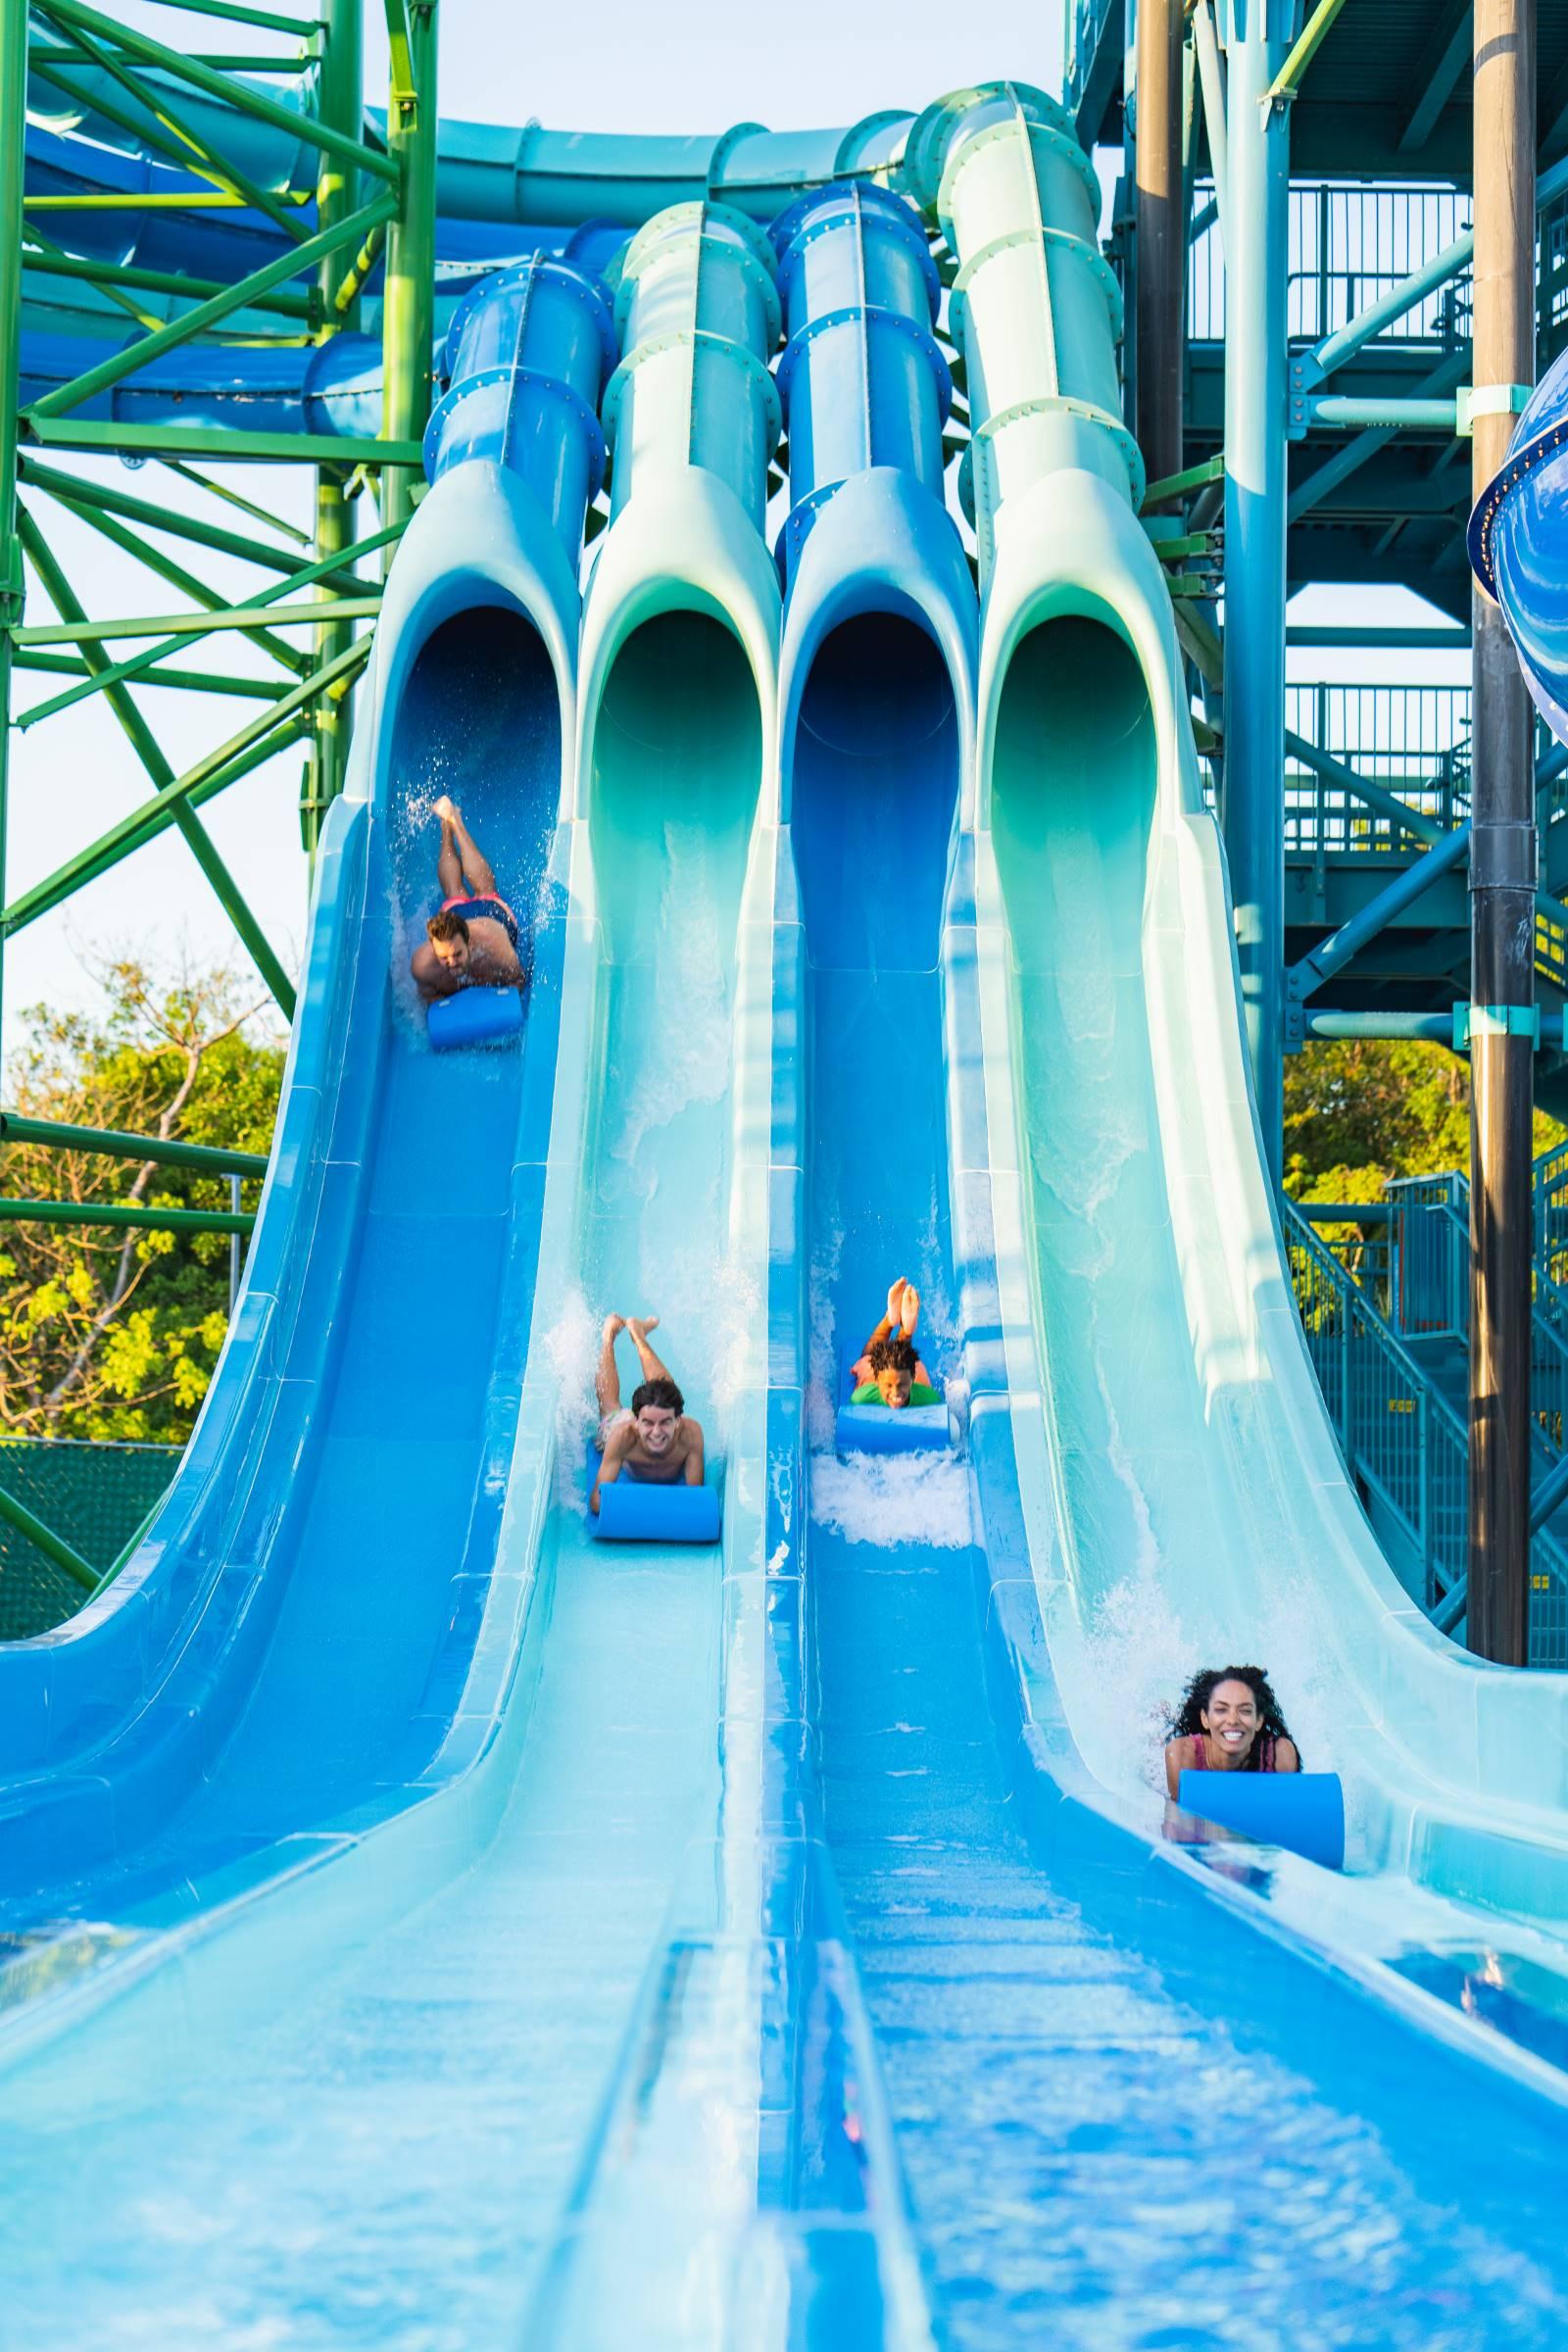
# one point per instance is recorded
(421, 1915)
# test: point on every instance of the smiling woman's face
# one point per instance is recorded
(1230, 1719)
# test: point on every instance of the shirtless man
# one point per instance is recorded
(474, 937)
(652, 1439)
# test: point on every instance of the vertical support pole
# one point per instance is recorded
(341, 106)
(1161, 236)
(408, 302)
(1502, 871)
(13, 164)
(1257, 224)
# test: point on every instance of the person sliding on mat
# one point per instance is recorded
(474, 937)
(652, 1439)
(1229, 1721)
(890, 1371)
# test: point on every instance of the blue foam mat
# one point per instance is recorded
(1302, 1810)
(475, 1016)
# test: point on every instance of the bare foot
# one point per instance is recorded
(641, 1325)
(443, 809)
(895, 1294)
(614, 1325)
(909, 1310)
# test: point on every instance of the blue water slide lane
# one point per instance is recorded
(322, 1558)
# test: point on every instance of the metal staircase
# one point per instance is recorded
(1384, 1295)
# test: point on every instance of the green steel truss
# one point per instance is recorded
(311, 614)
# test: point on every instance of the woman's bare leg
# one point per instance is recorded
(653, 1366)
(607, 1379)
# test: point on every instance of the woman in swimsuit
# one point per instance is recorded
(1229, 1721)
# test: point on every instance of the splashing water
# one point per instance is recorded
(894, 1500)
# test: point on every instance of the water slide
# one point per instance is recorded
(414, 1907)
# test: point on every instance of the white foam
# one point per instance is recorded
(889, 1499)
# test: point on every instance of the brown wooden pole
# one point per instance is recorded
(1161, 236)
(1502, 867)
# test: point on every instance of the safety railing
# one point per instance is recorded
(1347, 246)
(1406, 1446)
(1550, 1195)
(1412, 740)
(1086, 26)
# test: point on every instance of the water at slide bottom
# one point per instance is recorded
(1127, 2151)
(379, 2160)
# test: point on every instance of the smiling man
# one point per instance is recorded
(474, 937)
(653, 1439)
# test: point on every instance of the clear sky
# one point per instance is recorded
(616, 67)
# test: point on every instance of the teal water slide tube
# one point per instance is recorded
(1178, 1478)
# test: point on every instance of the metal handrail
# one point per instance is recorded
(1404, 1444)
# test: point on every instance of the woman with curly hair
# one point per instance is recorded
(1229, 1721)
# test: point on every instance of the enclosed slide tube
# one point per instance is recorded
(309, 1643)
(1181, 1490)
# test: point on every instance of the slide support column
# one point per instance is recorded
(341, 108)
(13, 169)
(1162, 238)
(408, 305)
(1256, 226)
(1502, 868)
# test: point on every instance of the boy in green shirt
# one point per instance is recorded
(890, 1371)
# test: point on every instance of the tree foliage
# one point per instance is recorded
(1360, 1111)
(107, 1333)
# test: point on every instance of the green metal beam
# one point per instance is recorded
(1177, 485)
(229, 61)
(124, 1214)
(186, 681)
(149, 752)
(194, 624)
(229, 93)
(230, 497)
(209, 774)
(54, 1548)
(136, 665)
(209, 599)
(1287, 82)
(206, 313)
(175, 140)
(105, 855)
(13, 171)
(166, 1152)
(340, 99)
(109, 275)
(408, 297)
(228, 445)
(77, 491)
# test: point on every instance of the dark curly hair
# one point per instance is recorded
(1188, 1720)
(894, 1355)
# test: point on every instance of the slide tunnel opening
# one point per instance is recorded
(875, 786)
(677, 769)
(479, 718)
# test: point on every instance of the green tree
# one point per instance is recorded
(1360, 1111)
(107, 1333)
